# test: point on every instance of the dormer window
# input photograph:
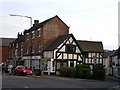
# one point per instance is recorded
(33, 35)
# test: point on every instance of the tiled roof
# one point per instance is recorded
(86, 46)
(106, 54)
(56, 42)
(36, 26)
(116, 53)
(90, 46)
(6, 41)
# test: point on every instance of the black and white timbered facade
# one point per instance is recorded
(65, 50)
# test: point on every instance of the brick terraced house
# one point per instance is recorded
(4, 47)
(16, 50)
(49, 46)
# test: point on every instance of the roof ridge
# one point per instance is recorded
(89, 41)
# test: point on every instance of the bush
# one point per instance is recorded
(83, 71)
(67, 71)
(99, 72)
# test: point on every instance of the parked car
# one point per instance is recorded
(22, 70)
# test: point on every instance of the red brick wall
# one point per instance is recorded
(5, 55)
(53, 29)
(34, 41)
(50, 30)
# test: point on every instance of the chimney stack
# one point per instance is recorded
(36, 21)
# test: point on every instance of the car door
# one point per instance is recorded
(18, 69)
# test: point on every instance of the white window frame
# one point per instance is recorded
(39, 32)
(21, 52)
(16, 45)
(40, 46)
(33, 34)
(33, 48)
(27, 36)
(16, 52)
(27, 50)
(21, 44)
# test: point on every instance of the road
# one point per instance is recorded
(12, 81)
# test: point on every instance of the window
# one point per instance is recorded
(27, 49)
(85, 54)
(16, 45)
(39, 32)
(33, 35)
(21, 52)
(27, 36)
(16, 52)
(13, 44)
(21, 44)
(10, 45)
(70, 48)
(40, 46)
(71, 63)
(33, 47)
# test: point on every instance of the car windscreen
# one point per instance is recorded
(25, 68)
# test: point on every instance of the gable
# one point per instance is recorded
(60, 43)
(39, 25)
(69, 44)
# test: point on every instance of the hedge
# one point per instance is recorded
(83, 71)
(67, 71)
(99, 72)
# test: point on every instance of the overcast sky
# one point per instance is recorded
(95, 20)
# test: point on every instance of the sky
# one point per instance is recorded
(92, 20)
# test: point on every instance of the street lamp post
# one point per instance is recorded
(23, 16)
(30, 26)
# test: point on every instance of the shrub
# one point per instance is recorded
(99, 72)
(67, 71)
(83, 71)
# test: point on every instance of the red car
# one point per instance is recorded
(22, 70)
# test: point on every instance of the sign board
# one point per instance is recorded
(32, 57)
